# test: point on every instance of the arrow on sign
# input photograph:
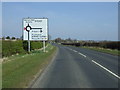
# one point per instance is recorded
(28, 28)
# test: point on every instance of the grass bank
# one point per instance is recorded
(104, 50)
(19, 70)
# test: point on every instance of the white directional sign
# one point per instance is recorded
(35, 29)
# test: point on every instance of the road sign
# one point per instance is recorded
(35, 29)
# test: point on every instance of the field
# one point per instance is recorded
(19, 70)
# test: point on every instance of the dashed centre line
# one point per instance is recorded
(78, 52)
(82, 54)
(74, 50)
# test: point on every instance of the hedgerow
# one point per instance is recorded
(12, 47)
(102, 44)
(18, 47)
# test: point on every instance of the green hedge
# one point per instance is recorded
(36, 45)
(13, 47)
(102, 44)
(33, 45)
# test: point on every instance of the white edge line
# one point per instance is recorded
(106, 69)
(82, 54)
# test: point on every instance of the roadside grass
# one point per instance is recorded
(18, 72)
(104, 50)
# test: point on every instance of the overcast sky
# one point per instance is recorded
(81, 21)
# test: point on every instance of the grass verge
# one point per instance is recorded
(109, 51)
(20, 70)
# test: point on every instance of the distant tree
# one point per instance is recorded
(69, 40)
(75, 40)
(18, 39)
(58, 40)
(21, 38)
(49, 37)
(3, 38)
(13, 38)
(7, 37)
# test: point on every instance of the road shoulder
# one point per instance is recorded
(42, 71)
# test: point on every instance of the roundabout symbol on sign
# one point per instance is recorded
(28, 28)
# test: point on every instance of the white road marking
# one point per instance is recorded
(106, 69)
(78, 52)
(74, 50)
(82, 54)
(69, 48)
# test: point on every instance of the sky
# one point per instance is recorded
(76, 20)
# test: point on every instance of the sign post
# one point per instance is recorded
(35, 29)
(43, 46)
(28, 43)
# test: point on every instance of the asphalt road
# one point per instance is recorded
(76, 67)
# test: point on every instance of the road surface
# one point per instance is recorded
(76, 67)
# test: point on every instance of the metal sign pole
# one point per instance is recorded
(28, 43)
(43, 46)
